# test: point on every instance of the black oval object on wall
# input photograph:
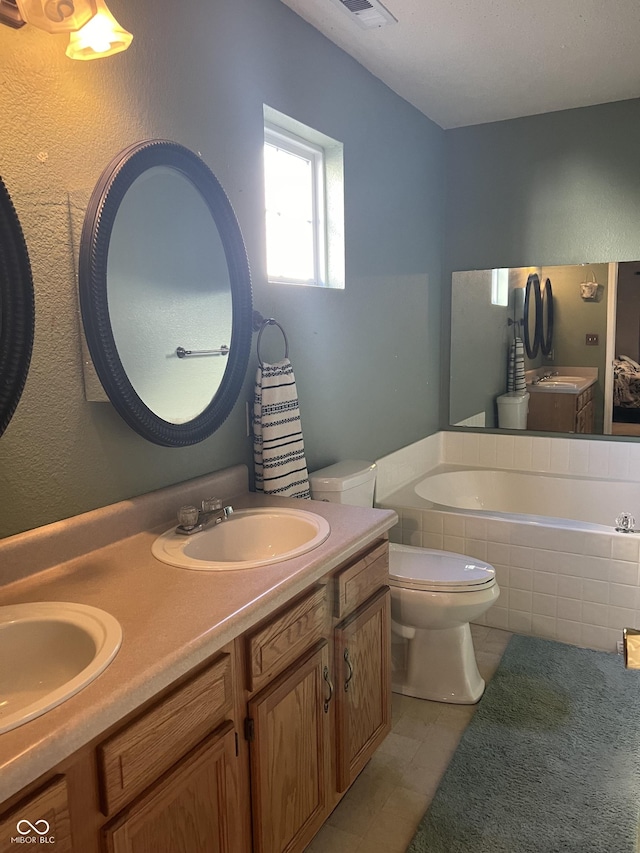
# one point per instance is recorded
(17, 309)
(533, 283)
(163, 274)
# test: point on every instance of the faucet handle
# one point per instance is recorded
(211, 504)
(625, 523)
(188, 517)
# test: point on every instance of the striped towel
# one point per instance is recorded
(278, 449)
(515, 368)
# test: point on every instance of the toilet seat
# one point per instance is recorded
(437, 571)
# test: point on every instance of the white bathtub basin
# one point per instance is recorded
(247, 540)
(49, 650)
(570, 384)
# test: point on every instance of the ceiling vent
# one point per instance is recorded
(368, 13)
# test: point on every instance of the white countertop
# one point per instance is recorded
(172, 619)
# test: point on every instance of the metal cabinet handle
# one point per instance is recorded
(327, 678)
(350, 675)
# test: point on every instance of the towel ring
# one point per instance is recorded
(269, 321)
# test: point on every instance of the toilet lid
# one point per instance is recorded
(444, 571)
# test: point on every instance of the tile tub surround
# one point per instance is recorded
(172, 619)
(578, 587)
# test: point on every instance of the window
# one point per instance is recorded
(500, 287)
(303, 204)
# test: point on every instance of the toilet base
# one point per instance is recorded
(441, 666)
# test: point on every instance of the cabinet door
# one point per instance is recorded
(290, 756)
(191, 809)
(363, 685)
(42, 819)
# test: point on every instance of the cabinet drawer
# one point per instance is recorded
(42, 817)
(357, 582)
(287, 636)
(133, 758)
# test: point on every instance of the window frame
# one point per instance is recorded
(315, 154)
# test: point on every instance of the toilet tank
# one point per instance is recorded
(349, 482)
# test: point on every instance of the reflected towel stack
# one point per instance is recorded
(515, 367)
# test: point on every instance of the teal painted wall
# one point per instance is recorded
(366, 359)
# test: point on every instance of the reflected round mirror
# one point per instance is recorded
(16, 309)
(165, 293)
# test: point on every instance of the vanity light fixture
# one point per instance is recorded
(94, 32)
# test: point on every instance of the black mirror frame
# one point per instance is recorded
(105, 200)
(17, 309)
(532, 282)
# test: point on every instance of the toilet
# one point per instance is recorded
(434, 596)
(513, 408)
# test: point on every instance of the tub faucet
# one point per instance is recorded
(626, 523)
(192, 520)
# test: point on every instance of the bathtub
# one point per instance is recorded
(564, 572)
(572, 502)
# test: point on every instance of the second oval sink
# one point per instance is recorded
(248, 539)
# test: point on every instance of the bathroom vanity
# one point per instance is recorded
(561, 411)
(241, 705)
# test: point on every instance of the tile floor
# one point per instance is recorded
(382, 809)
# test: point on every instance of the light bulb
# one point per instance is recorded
(101, 36)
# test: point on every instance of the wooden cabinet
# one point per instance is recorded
(290, 755)
(189, 809)
(41, 818)
(558, 412)
(363, 686)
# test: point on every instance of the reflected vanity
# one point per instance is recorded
(165, 293)
(16, 309)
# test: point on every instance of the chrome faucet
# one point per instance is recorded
(193, 520)
(626, 523)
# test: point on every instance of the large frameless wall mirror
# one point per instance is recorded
(580, 355)
(16, 309)
(165, 293)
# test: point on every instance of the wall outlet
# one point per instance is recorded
(591, 339)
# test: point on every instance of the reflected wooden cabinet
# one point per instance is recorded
(190, 809)
(559, 412)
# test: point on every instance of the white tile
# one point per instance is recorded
(395, 535)
(412, 537)
(544, 605)
(595, 614)
(634, 460)
(497, 552)
(623, 572)
(623, 595)
(546, 561)
(621, 617)
(596, 568)
(453, 543)
(498, 617)
(570, 564)
(498, 531)
(568, 632)
(475, 528)
(453, 524)
(433, 540)
(487, 451)
(559, 455)
(411, 519)
(519, 622)
(595, 591)
(545, 582)
(625, 546)
(520, 578)
(543, 626)
(578, 457)
(569, 609)
(595, 637)
(618, 461)
(595, 544)
(471, 449)
(570, 587)
(599, 458)
(522, 452)
(504, 451)
(476, 548)
(432, 522)
(541, 456)
(613, 636)
(453, 447)
(524, 534)
(520, 599)
(522, 557)
(559, 539)
(504, 590)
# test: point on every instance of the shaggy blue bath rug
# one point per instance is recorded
(550, 762)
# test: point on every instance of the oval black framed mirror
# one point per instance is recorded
(165, 293)
(535, 314)
(17, 309)
(546, 320)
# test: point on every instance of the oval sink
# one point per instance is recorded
(248, 539)
(50, 650)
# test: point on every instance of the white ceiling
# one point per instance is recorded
(464, 62)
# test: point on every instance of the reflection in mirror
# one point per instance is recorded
(567, 387)
(16, 309)
(161, 299)
(165, 293)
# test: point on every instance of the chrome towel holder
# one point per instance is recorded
(260, 323)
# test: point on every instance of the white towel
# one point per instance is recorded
(278, 448)
(515, 368)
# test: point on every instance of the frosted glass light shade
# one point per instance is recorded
(101, 36)
(57, 16)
